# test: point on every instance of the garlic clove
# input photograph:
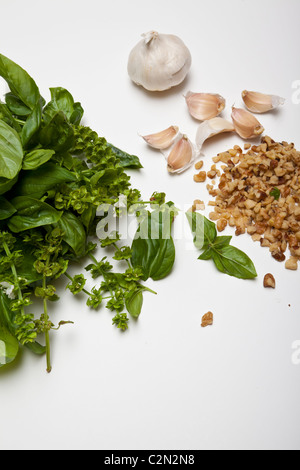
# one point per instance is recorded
(204, 106)
(181, 156)
(159, 61)
(162, 140)
(261, 103)
(246, 125)
(212, 127)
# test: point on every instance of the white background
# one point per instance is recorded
(167, 383)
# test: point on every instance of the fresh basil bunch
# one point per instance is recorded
(54, 174)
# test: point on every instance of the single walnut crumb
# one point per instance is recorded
(198, 205)
(201, 177)
(221, 225)
(292, 264)
(199, 165)
(269, 281)
(207, 320)
(213, 216)
(278, 255)
(211, 174)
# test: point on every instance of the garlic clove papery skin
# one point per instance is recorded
(162, 140)
(212, 127)
(181, 156)
(260, 102)
(246, 125)
(159, 62)
(204, 106)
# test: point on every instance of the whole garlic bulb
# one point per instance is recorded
(159, 61)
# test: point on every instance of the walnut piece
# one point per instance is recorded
(198, 205)
(207, 320)
(269, 281)
(221, 225)
(199, 165)
(201, 177)
(292, 264)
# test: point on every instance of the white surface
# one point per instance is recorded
(167, 383)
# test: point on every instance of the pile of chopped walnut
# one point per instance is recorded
(259, 193)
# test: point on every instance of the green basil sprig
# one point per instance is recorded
(228, 259)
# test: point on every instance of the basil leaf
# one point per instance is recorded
(32, 124)
(16, 106)
(275, 193)
(36, 158)
(9, 346)
(163, 262)
(234, 262)
(134, 302)
(6, 184)
(206, 255)
(221, 242)
(57, 134)
(32, 213)
(88, 217)
(7, 117)
(204, 230)
(74, 233)
(6, 319)
(77, 114)
(62, 101)
(19, 82)
(11, 152)
(110, 175)
(153, 248)
(26, 269)
(126, 160)
(96, 177)
(37, 182)
(210, 231)
(6, 209)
